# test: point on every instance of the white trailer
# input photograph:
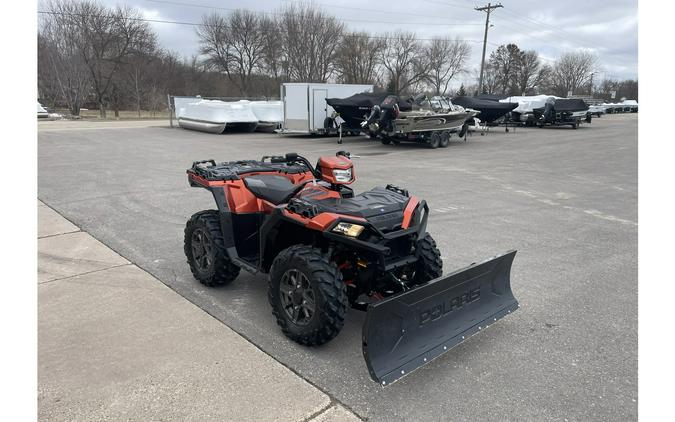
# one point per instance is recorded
(305, 108)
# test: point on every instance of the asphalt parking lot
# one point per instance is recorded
(565, 199)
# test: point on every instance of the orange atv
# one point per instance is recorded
(326, 248)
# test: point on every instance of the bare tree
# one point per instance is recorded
(623, 89)
(274, 62)
(447, 59)
(234, 45)
(505, 61)
(61, 67)
(358, 58)
(572, 71)
(310, 39)
(139, 77)
(105, 37)
(491, 80)
(404, 60)
(528, 75)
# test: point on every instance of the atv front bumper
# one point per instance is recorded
(391, 249)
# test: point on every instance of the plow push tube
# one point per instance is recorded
(408, 330)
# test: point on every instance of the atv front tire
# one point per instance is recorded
(429, 262)
(307, 294)
(205, 250)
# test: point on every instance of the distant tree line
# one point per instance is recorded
(109, 59)
(303, 43)
(512, 71)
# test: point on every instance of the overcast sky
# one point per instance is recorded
(607, 27)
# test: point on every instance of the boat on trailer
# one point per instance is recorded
(429, 121)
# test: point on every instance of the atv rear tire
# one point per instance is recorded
(205, 250)
(429, 262)
(307, 274)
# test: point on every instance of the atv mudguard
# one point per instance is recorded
(408, 330)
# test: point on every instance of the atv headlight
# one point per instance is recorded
(348, 229)
(343, 175)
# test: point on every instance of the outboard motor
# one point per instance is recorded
(549, 110)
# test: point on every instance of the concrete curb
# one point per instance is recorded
(116, 343)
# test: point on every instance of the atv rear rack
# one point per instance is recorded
(212, 171)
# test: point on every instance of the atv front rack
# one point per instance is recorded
(408, 330)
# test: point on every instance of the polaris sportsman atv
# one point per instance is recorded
(326, 248)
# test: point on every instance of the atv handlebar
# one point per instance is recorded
(292, 157)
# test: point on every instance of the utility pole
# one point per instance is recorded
(487, 9)
(591, 88)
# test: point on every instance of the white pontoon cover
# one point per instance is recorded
(268, 111)
(216, 111)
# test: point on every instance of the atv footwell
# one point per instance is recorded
(408, 330)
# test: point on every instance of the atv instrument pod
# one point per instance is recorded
(337, 170)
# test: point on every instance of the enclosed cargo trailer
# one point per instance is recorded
(305, 107)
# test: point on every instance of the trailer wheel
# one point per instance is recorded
(307, 294)
(435, 140)
(429, 262)
(445, 139)
(205, 250)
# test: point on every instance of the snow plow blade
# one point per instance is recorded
(408, 330)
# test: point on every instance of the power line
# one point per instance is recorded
(460, 6)
(393, 12)
(561, 31)
(355, 35)
(528, 23)
(203, 6)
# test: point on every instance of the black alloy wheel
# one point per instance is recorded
(202, 250)
(297, 297)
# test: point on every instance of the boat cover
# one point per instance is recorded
(268, 111)
(368, 100)
(355, 109)
(570, 104)
(527, 103)
(216, 111)
(491, 97)
(490, 110)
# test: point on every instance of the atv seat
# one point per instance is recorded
(275, 189)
